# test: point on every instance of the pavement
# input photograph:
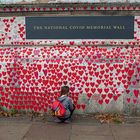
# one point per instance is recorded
(23, 128)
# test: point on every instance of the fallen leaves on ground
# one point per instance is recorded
(9, 113)
(108, 118)
(6, 114)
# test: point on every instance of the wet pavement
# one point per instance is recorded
(17, 128)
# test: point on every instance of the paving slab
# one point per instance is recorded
(49, 131)
(80, 129)
(88, 132)
(126, 132)
(91, 137)
(98, 130)
(13, 130)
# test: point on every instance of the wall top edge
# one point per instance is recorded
(68, 4)
(65, 1)
(61, 7)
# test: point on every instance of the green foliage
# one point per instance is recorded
(13, 111)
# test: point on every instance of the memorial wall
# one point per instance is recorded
(97, 56)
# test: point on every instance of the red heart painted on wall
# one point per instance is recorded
(83, 106)
(106, 90)
(96, 85)
(127, 91)
(71, 42)
(92, 84)
(100, 76)
(107, 101)
(124, 81)
(85, 78)
(78, 106)
(99, 90)
(36, 74)
(89, 95)
(39, 67)
(106, 84)
(86, 89)
(103, 96)
(99, 81)
(128, 100)
(3, 73)
(126, 86)
(100, 102)
(87, 84)
(102, 66)
(93, 90)
(111, 68)
(130, 72)
(21, 29)
(115, 98)
(110, 95)
(106, 70)
(136, 93)
(134, 101)
(45, 71)
(134, 82)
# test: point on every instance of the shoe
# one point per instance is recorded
(57, 120)
(67, 121)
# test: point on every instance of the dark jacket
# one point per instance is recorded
(67, 102)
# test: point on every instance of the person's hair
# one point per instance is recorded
(64, 90)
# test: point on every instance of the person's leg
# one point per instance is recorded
(61, 119)
(68, 120)
(57, 120)
(65, 120)
(71, 111)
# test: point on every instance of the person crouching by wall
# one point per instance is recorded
(67, 103)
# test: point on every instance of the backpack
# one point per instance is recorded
(58, 109)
